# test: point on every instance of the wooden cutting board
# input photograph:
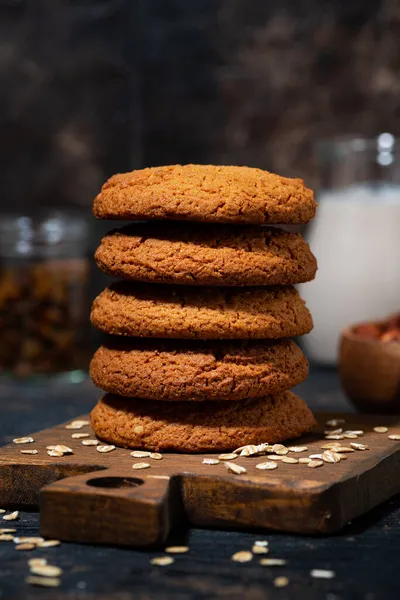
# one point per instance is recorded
(98, 498)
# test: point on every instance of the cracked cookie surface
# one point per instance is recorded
(206, 254)
(174, 370)
(225, 194)
(146, 310)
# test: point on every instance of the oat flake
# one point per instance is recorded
(243, 556)
(162, 561)
(90, 442)
(267, 466)
(322, 574)
(23, 440)
(12, 516)
(103, 449)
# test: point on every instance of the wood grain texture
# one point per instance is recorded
(79, 507)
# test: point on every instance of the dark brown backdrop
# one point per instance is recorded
(90, 87)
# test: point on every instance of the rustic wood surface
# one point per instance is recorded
(140, 507)
(363, 555)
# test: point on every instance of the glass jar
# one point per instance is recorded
(44, 295)
(356, 239)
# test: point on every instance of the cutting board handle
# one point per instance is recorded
(109, 507)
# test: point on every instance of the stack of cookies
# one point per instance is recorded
(198, 356)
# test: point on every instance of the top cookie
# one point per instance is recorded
(205, 193)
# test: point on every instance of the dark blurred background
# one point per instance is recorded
(91, 87)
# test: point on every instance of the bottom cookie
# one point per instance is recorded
(209, 426)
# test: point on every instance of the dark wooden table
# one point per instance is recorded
(365, 556)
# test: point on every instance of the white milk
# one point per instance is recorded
(356, 240)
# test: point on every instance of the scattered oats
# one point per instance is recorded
(313, 464)
(12, 516)
(273, 562)
(350, 436)
(104, 449)
(2, 510)
(162, 561)
(267, 466)
(29, 451)
(231, 456)
(25, 546)
(281, 582)
(261, 543)
(298, 448)
(357, 446)
(322, 574)
(6, 537)
(237, 469)
(23, 440)
(334, 437)
(249, 450)
(253, 450)
(263, 447)
(304, 460)
(315, 456)
(33, 562)
(48, 543)
(280, 449)
(331, 445)
(55, 453)
(46, 570)
(342, 456)
(289, 460)
(61, 448)
(394, 436)
(138, 429)
(335, 422)
(356, 432)
(77, 424)
(329, 456)
(43, 581)
(275, 457)
(210, 461)
(156, 456)
(140, 454)
(3, 530)
(138, 466)
(260, 549)
(177, 549)
(243, 556)
(342, 449)
(334, 431)
(90, 442)
(27, 540)
(381, 429)
(78, 436)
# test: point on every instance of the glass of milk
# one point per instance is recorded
(356, 239)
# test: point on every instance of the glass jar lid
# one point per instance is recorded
(47, 233)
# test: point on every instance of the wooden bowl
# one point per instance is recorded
(370, 372)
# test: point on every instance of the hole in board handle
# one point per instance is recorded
(114, 482)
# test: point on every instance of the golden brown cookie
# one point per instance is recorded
(198, 427)
(206, 254)
(205, 193)
(146, 310)
(174, 370)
